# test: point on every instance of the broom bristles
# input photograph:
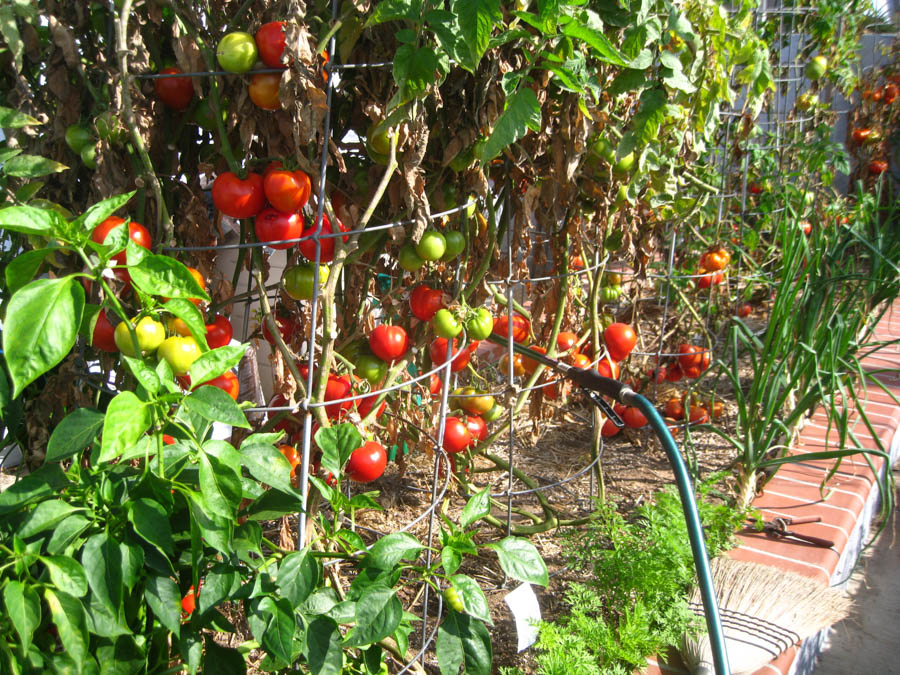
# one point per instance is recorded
(764, 611)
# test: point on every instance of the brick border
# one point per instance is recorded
(846, 503)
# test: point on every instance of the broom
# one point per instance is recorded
(764, 611)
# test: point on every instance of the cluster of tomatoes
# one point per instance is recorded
(170, 341)
(877, 102)
(710, 267)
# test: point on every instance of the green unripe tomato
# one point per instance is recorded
(455, 242)
(494, 413)
(77, 138)
(408, 259)
(203, 114)
(603, 149)
(624, 165)
(610, 293)
(479, 324)
(237, 52)
(89, 156)
(470, 209)
(179, 352)
(431, 246)
(445, 324)
(109, 128)
(298, 280)
(150, 335)
(371, 368)
(378, 144)
(816, 68)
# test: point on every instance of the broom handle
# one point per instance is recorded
(695, 530)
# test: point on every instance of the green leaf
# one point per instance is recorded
(273, 504)
(23, 607)
(30, 220)
(628, 80)
(164, 599)
(102, 561)
(272, 623)
(44, 516)
(217, 531)
(66, 532)
(187, 311)
(32, 166)
(378, 613)
(521, 560)
(71, 623)
(337, 444)
(11, 35)
(100, 211)
(392, 10)
(414, 69)
(163, 275)
(548, 13)
(13, 119)
(390, 550)
(463, 641)
(476, 20)
(476, 508)
(132, 559)
(214, 363)
(24, 267)
(218, 585)
(215, 405)
(40, 328)
(220, 485)
(298, 576)
(603, 49)
(121, 656)
(127, 419)
(66, 573)
(223, 660)
(268, 465)
(323, 650)
(77, 431)
(523, 112)
(44, 482)
(451, 558)
(151, 522)
(473, 598)
(144, 374)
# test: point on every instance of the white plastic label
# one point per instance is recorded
(523, 604)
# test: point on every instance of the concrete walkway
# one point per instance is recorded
(867, 642)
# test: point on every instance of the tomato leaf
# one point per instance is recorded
(476, 20)
(151, 523)
(65, 532)
(163, 275)
(212, 364)
(187, 311)
(13, 119)
(23, 607)
(273, 504)
(164, 599)
(100, 211)
(74, 433)
(462, 640)
(521, 560)
(298, 576)
(392, 10)
(218, 585)
(126, 420)
(414, 69)
(390, 550)
(71, 622)
(40, 328)
(378, 613)
(473, 598)
(323, 650)
(476, 508)
(215, 405)
(32, 166)
(337, 444)
(523, 112)
(603, 49)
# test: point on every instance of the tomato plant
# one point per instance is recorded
(136, 232)
(438, 352)
(367, 463)
(408, 259)
(446, 325)
(479, 324)
(521, 327)
(103, 337)
(371, 368)
(227, 382)
(150, 335)
(236, 52)
(431, 246)
(477, 427)
(179, 352)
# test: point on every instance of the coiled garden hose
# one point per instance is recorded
(592, 381)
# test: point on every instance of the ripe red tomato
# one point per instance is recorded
(674, 373)
(565, 341)
(657, 374)
(227, 382)
(634, 418)
(529, 363)
(698, 414)
(219, 332)
(756, 188)
(459, 358)
(168, 440)
(608, 430)
(308, 246)
(286, 190)
(520, 327)
(263, 90)
(435, 383)
(457, 436)
(581, 361)
(675, 408)
(293, 457)
(337, 388)
(608, 369)
(367, 463)
(389, 343)
(476, 426)
(136, 232)
(860, 134)
(272, 225)
(103, 336)
(693, 359)
(270, 42)
(620, 339)
(286, 326)
(424, 302)
(364, 405)
(877, 167)
(236, 197)
(890, 93)
(744, 310)
(175, 92)
(711, 279)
